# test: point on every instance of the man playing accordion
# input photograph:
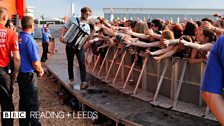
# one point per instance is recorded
(78, 32)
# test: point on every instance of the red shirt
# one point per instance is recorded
(8, 43)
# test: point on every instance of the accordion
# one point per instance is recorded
(75, 37)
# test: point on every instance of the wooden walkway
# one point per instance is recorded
(118, 106)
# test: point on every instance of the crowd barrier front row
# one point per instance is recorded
(170, 81)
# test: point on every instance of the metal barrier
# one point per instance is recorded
(175, 74)
(112, 62)
(103, 61)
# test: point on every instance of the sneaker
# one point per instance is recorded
(84, 85)
(71, 82)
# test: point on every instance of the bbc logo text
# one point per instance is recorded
(14, 114)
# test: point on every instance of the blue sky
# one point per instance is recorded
(60, 8)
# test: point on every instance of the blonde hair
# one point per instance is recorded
(141, 27)
(167, 34)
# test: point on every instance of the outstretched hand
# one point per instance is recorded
(102, 26)
(128, 31)
(207, 25)
(148, 52)
(96, 27)
(185, 43)
(158, 59)
(166, 42)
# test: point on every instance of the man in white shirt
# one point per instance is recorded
(79, 52)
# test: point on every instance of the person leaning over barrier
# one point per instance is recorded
(205, 37)
(28, 72)
(213, 80)
(180, 50)
(9, 43)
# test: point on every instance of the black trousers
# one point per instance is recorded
(80, 54)
(45, 50)
(6, 90)
(28, 102)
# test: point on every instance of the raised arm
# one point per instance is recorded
(204, 47)
(104, 21)
(108, 31)
(170, 42)
(167, 54)
(162, 51)
(144, 44)
(156, 36)
(208, 25)
(138, 35)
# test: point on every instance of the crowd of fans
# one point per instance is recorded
(158, 38)
(192, 40)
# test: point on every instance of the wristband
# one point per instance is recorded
(171, 42)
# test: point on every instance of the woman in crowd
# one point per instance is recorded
(205, 37)
(182, 51)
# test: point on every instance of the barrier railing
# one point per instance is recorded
(173, 73)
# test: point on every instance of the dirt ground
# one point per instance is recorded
(50, 101)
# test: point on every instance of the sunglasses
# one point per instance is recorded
(88, 14)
